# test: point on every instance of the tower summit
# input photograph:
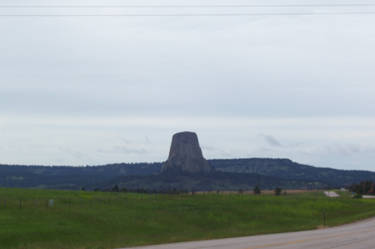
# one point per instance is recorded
(186, 156)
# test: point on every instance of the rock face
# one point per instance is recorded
(185, 155)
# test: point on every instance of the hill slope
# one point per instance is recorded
(239, 173)
(287, 169)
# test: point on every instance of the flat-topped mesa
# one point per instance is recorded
(185, 155)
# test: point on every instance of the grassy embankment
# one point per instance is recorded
(110, 220)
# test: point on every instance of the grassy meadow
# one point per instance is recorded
(98, 220)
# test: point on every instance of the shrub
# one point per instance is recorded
(115, 188)
(277, 191)
(257, 190)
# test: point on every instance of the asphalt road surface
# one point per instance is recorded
(359, 235)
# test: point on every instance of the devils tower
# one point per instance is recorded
(186, 156)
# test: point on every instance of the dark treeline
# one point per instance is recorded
(116, 188)
(230, 174)
(363, 188)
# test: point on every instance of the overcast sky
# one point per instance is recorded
(96, 90)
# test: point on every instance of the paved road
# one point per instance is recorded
(360, 235)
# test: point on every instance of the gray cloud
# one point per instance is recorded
(76, 155)
(217, 151)
(84, 83)
(348, 150)
(118, 149)
(272, 141)
(210, 66)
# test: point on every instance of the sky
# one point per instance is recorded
(91, 90)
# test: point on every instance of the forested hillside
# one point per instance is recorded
(235, 173)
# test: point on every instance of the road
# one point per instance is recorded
(359, 235)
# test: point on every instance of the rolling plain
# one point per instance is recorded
(103, 220)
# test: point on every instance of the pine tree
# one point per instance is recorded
(257, 190)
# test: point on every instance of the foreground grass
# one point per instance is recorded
(95, 220)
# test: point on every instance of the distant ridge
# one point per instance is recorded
(282, 172)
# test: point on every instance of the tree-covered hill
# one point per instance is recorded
(230, 174)
(65, 177)
(287, 169)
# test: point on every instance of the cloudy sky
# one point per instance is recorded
(89, 90)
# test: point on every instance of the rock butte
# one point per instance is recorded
(186, 156)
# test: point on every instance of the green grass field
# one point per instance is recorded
(96, 220)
